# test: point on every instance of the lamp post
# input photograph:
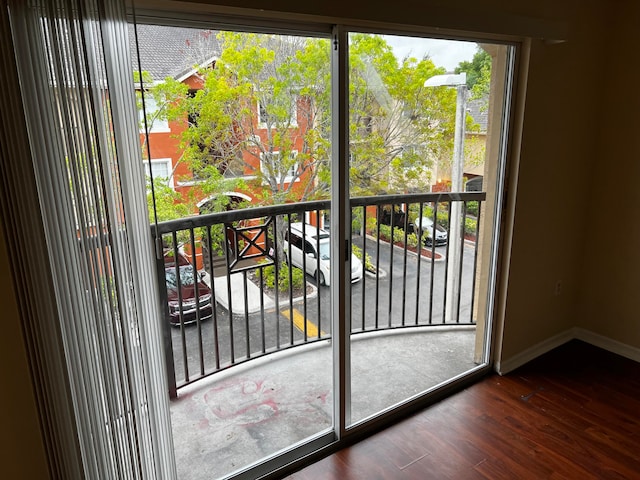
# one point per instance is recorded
(455, 214)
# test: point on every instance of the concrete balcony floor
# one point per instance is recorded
(241, 415)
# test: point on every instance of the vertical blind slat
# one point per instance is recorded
(73, 60)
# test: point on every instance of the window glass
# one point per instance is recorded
(156, 117)
(160, 169)
(420, 112)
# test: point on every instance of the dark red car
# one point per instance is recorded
(181, 291)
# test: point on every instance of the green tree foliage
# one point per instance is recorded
(255, 98)
(169, 99)
(263, 87)
(248, 111)
(478, 72)
(169, 204)
(398, 128)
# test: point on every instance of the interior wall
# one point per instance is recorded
(612, 257)
(561, 125)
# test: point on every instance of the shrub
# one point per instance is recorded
(297, 277)
(412, 240)
(356, 221)
(472, 208)
(443, 218)
(470, 225)
(368, 264)
(372, 224)
(398, 235)
(385, 231)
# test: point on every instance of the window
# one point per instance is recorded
(368, 171)
(266, 118)
(157, 122)
(160, 168)
(296, 241)
(309, 249)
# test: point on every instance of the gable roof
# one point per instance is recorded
(478, 109)
(171, 51)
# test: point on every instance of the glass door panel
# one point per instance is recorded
(426, 122)
(242, 121)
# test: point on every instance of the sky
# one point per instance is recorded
(444, 53)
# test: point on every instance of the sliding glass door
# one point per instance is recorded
(426, 118)
(243, 123)
(279, 151)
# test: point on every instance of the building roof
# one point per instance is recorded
(171, 51)
(478, 109)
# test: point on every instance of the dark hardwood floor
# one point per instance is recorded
(573, 413)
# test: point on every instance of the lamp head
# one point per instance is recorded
(447, 80)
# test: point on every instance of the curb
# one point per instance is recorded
(441, 259)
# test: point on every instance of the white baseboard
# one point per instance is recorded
(510, 364)
(608, 344)
(587, 336)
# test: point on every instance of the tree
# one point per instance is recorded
(251, 116)
(398, 128)
(263, 109)
(167, 100)
(478, 72)
(168, 204)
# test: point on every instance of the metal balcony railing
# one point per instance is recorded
(223, 306)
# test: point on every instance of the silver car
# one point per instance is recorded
(425, 225)
(316, 246)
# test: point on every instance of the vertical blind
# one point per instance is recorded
(78, 98)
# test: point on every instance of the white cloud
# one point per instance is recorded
(443, 53)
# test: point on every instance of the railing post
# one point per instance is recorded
(166, 324)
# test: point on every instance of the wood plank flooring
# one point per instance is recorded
(573, 413)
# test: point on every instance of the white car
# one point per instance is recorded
(316, 245)
(425, 224)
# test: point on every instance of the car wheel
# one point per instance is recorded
(321, 280)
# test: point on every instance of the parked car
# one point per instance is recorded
(425, 224)
(190, 281)
(316, 246)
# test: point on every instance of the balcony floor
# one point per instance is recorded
(238, 416)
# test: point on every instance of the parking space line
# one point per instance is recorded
(299, 322)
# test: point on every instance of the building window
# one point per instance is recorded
(156, 121)
(160, 168)
(268, 119)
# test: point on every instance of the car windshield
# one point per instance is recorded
(186, 276)
(324, 250)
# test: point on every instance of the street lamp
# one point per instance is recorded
(455, 215)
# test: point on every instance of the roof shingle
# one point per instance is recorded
(171, 51)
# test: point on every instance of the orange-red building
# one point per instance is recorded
(173, 52)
